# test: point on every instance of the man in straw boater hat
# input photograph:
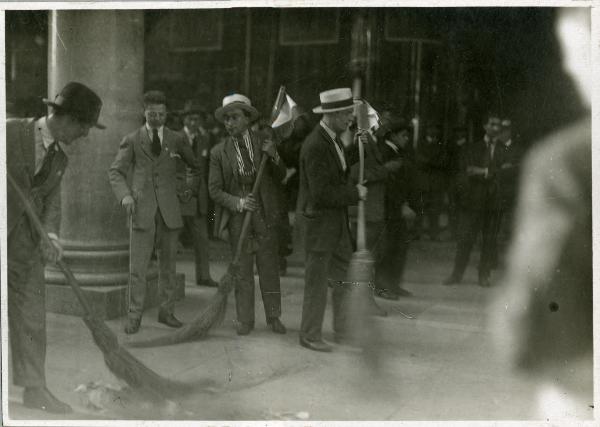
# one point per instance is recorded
(36, 163)
(233, 169)
(151, 153)
(324, 196)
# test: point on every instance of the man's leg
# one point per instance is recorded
(315, 295)
(166, 243)
(489, 243)
(201, 247)
(338, 274)
(268, 273)
(27, 319)
(469, 226)
(142, 243)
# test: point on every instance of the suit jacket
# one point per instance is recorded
(401, 187)
(191, 185)
(224, 186)
(20, 163)
(153, 182)
(483, 193)
(325, 192)
(508, 173)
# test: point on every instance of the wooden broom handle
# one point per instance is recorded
(37, 224)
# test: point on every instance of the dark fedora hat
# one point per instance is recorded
(80, 101)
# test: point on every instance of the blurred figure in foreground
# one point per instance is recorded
(543, 315)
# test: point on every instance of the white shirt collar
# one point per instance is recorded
(329, 131)
(160, 132)
(508, 143)
(45, 133)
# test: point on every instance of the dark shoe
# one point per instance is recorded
(208, 282)
(41, 398)
(276, 325)
(451, 281)
(244, 328)
(404, 293)
(315, 345)
(133, 325)
(169, 319)
(484, 282)
(386, 294)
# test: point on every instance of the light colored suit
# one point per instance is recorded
(157, 217)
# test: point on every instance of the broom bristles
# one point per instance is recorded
(213, 315)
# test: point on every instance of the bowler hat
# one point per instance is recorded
(79, 101)
(335, 100)
(236, 101)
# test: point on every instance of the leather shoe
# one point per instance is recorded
(244, 328)
(41, 398)
(133, 325)
(451, 281)
(276, 325)
(315, 345)
(208, 282)
(386, 294)
(169, 319)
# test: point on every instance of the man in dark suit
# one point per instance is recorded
(233, 167)
(324, 196)
(193, 192)
(400, 190)
(36, 162)
(480, 210)
(150, 153)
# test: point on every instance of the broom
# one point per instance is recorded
(118, 360)
(214, 313)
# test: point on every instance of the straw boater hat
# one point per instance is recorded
(335, 100)
(80, 101)
(236, 101)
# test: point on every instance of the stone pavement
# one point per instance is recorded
(439, 365)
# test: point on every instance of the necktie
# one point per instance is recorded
(44, 171)
(247, 166)
(155, 143)
(195, 143)
(340, 146)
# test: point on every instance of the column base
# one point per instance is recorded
(108, 302)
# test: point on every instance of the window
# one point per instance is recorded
(310, 26)
(195, 30)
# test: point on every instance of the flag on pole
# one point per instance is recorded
(373, 117)
(285, 116)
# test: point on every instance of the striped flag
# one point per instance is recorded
(288, 112)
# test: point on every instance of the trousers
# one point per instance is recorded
(323, 268)
(143, 241)
(262, 248)
(26, 306)
(196, 226)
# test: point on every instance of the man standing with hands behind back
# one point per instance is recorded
(151, 152)
(325, 194)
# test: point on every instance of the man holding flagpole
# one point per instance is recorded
(233, 168)
(324, 196)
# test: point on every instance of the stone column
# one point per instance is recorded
(103, 49)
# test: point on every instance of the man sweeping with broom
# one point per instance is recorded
(234, 166)
(36, 163)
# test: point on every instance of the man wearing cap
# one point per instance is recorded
(36, 162)
(324, 196)
(233, 167)
(193, 192)
(151, 153)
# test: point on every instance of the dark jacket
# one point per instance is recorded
(224, 187)
(192, 189)
(20, 163)
(325, 192)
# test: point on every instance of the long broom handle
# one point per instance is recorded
(37, 224)
(261, 170)
(362, 120)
